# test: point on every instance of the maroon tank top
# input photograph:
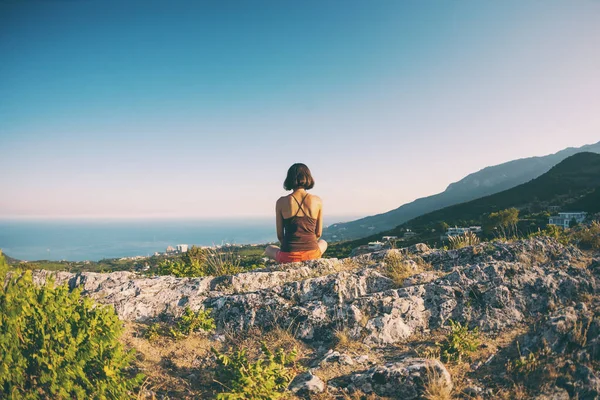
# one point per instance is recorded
(299, 233)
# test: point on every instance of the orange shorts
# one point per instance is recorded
(294, 256)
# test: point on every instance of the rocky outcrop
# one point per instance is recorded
(493, 286)
(406, 379)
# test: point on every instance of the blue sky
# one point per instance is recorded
(197, 108)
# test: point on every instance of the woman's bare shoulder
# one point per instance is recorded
(316, 199)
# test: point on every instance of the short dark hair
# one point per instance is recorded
(298, 176)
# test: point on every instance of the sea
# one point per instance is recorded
(93, 240)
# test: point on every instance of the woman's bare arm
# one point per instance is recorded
(279, 221)
(320, 221)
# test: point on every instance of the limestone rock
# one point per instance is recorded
(306, 384)
(405, 379)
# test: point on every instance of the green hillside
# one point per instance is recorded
(488, 181)
(589, 203)
(573, 184)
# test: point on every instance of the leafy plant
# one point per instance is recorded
(464, 240)
(192, 321)
(56, 344)
(460, 342)
(555, 232)
(525, 365)
(587, 237)
(265, 379)
(153, 332)
(189, 322)
(181, 269)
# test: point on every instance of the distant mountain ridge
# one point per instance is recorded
(572, 185)
(490, 180)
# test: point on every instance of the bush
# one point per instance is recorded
(587, 237)
(267, 378)
(56, 344)
(189, 322)
(153, 332)
(202, 262)
(461, 342)
(192, 321)
(464, 240)
(181, 269)
(555, 232)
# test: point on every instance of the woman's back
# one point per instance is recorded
(300, 204)
(299, 225)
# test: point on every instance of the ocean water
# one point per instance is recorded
(94, 239)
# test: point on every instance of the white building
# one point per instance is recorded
(388, 238)
(409, 234)
(456, 231)
(564, 218)
(182, 248)
(375, 245)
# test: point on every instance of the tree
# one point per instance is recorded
(442, 226)
(505, 221)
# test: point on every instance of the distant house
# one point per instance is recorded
(170, 249)
(458, 231)
(182, 248)
(408, 233)
(564, 218)
(389, 238)
(375, 246)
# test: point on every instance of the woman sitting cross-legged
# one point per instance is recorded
(299, 217)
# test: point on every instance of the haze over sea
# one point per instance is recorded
(78, 239)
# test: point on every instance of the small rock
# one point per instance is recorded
(473, 391)
(362, 359)
(337, 357)
(307, 383)
(553, 393)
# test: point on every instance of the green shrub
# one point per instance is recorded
(525, 365)
(189, 322)
(464, 240)
(460, 342)
(181, 269)
(192, 321)
(265, 379)
(56, 344)
(153, 332)
(587, 237)
(555, 232)
(203, 262)
(3, 265)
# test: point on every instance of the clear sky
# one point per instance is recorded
(197, 108)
